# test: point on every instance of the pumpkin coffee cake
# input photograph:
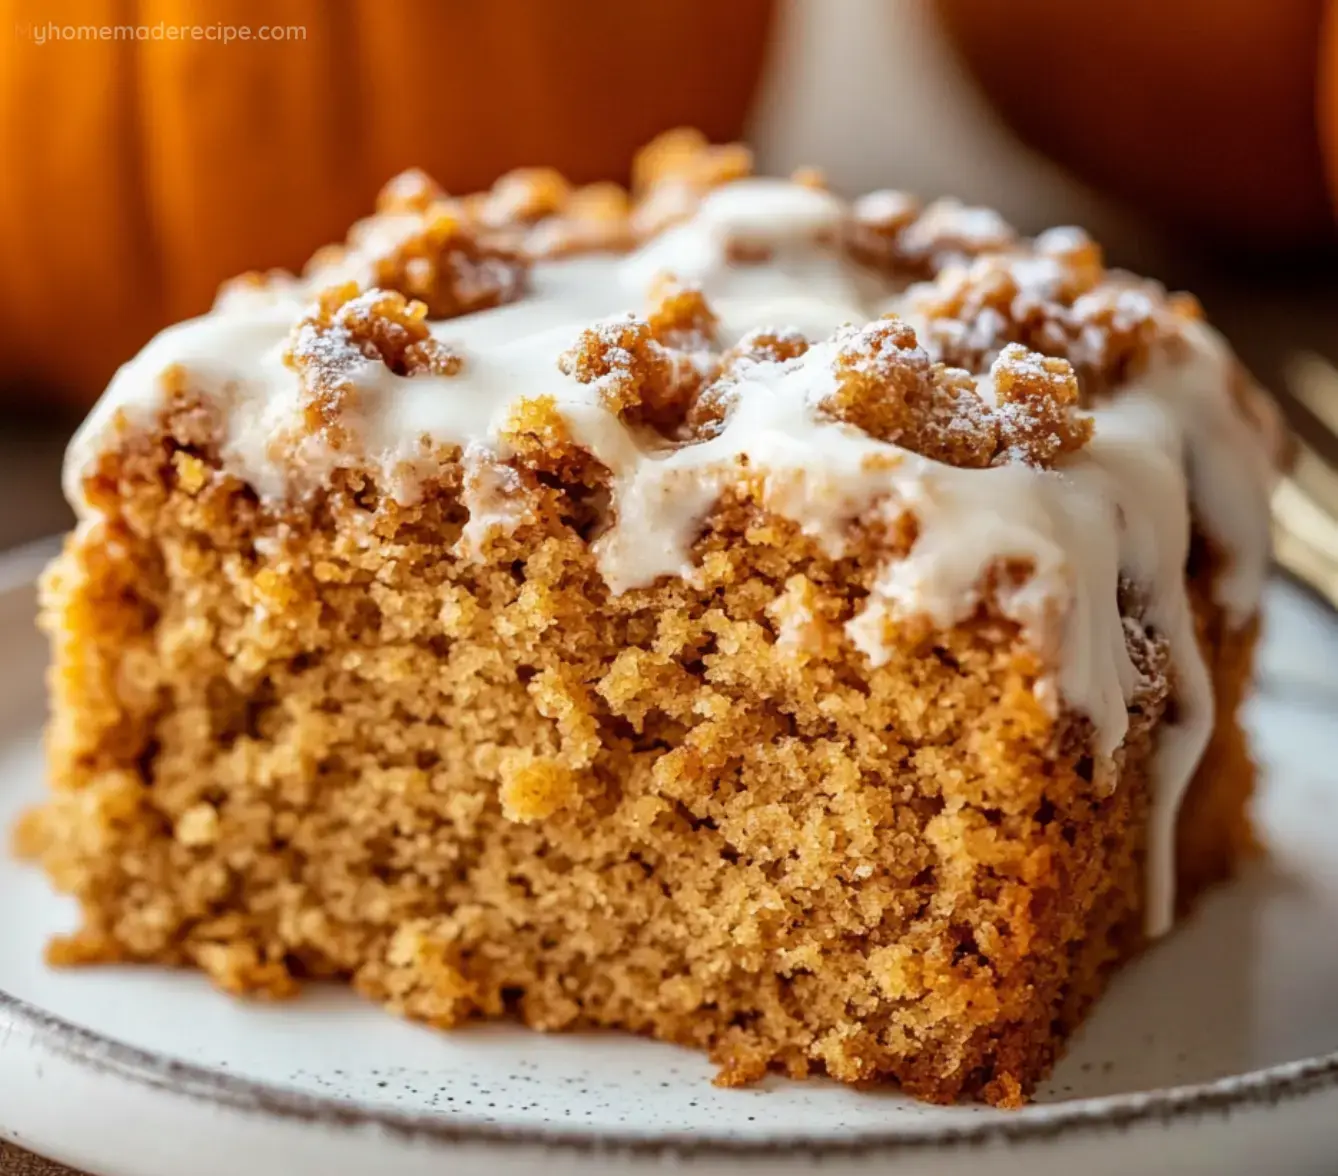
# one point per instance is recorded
(807, 631)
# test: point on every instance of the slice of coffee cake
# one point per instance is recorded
(805, 631)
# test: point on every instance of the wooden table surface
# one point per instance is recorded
(16, 1162)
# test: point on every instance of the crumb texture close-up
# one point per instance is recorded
(508, 649)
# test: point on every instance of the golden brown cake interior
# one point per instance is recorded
(494, 788)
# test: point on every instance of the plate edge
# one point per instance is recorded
(159, 1073)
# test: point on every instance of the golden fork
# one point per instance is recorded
(1305, 504)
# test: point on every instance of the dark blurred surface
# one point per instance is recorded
(31, 504)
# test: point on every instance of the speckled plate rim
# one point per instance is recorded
(159, 1073)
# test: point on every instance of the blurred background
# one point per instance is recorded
(150, 149)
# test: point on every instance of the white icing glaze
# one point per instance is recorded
(1121, 506)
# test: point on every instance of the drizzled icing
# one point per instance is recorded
(1119, 507)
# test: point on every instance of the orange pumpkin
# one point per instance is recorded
(1200, 111)
(1328, 95)
(138, 174)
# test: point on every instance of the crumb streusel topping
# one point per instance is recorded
(1043, 426)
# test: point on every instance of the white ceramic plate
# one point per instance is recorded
(1218, 1052)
